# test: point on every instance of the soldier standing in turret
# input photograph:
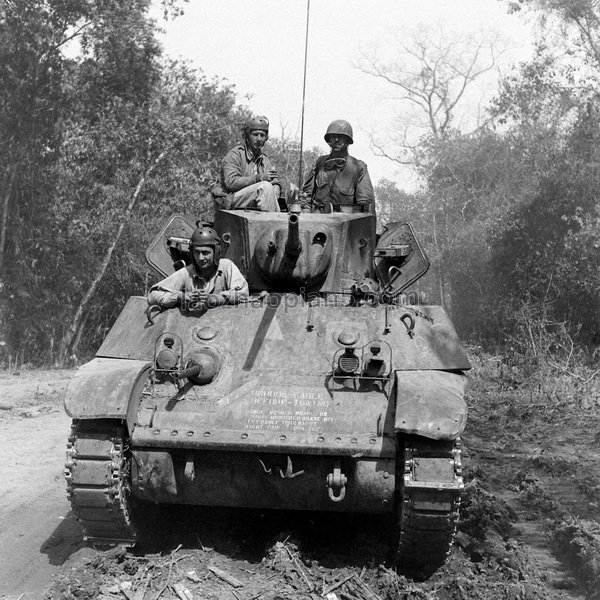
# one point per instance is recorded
(248, 179)
(338, 181)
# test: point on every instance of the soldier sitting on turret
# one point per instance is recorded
(248, 178)
(338, 181)
(208, 282)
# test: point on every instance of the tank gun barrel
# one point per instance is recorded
(293, 246)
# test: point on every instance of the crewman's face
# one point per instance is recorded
(256, 139)
(338, 143)
(204, 256)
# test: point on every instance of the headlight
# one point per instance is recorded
(348, 362)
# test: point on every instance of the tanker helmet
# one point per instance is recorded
(206, 236)
(339, 127)
(254, 123)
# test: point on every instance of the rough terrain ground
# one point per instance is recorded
(38, 532)
(529, 521)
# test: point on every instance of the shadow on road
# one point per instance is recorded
(65, 540)
(330, 539)
(333, 540)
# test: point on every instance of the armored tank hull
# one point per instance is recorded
(314, 399)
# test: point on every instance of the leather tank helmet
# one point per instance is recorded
(339, 127)
(256, 123)
(206, 236)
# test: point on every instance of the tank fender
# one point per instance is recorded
(430, 404)
(104, 387)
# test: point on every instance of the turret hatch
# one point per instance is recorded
(399, 260)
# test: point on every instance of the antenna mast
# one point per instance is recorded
(300, 182)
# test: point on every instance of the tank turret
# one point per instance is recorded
(302, 252)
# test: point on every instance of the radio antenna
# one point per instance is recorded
(300, 182)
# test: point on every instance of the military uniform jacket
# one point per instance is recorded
(341, 181)
(239, 169)
(227, 282)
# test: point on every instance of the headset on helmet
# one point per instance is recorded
(204, 235)
(254, 123)
(339, 127)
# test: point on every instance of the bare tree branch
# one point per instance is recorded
(433, 73)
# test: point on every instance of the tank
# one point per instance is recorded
(330, 389)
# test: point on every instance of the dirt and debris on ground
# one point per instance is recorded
(29, 392)
(529, 527)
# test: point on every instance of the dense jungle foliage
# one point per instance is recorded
(101, 136)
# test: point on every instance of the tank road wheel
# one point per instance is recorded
(428, 504)
(97, 473)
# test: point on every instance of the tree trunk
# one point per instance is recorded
(66, 347)
(9, 179)
(77, 337)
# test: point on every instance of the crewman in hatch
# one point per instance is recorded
(338, 181)
(248, 179)
(209, 281)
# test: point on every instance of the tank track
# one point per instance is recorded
(97, 471)
(428, 510)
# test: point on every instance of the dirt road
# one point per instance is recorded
(38, 532)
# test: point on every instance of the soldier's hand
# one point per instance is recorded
(268, 175)
(190, 300)
(210, 300)
(304, 201)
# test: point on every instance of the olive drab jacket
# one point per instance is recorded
(341, 181)
(239, 169)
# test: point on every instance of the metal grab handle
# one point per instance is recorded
(150, 314)
(393, 273)
(410, 325)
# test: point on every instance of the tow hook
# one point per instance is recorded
(189, 471)
(336, 484)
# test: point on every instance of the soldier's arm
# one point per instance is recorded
(167, 293)
(232, 167)
(237, 286)
(269, 166)
(364, 194)
(307, 189)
